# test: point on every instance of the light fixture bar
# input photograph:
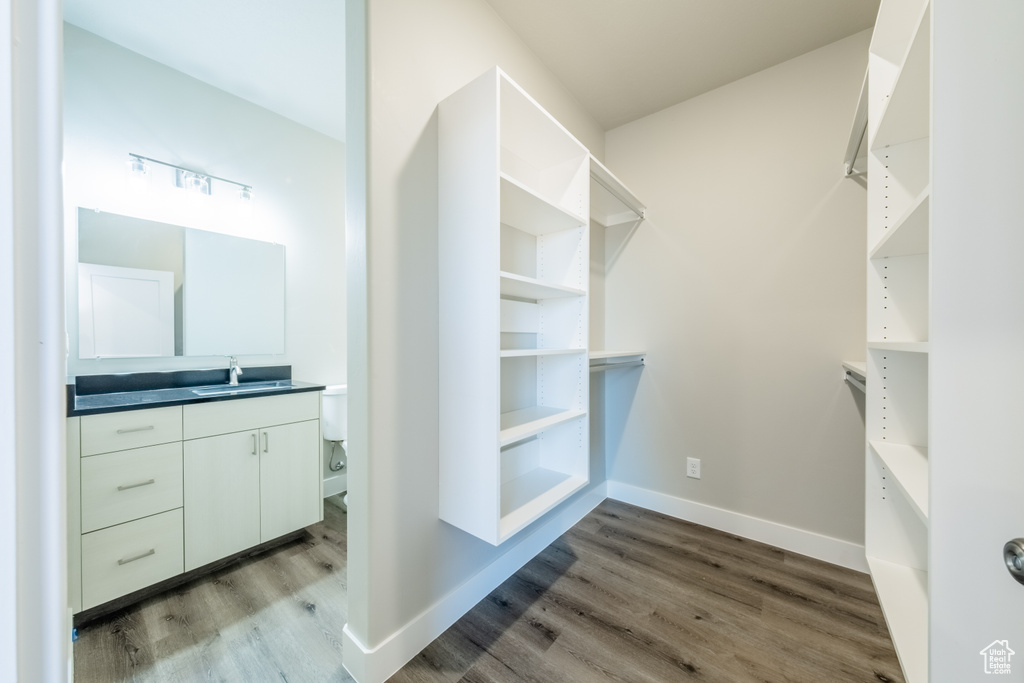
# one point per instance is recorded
(189, 170)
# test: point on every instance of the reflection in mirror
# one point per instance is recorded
(149, 289)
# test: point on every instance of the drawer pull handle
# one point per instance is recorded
(151, 551)
(266, 442)
(125, 487)
(254, 443)
(136, 429)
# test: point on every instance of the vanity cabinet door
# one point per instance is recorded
(289, 478)
(222, 496)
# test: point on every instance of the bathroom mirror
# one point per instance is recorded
(149, 289)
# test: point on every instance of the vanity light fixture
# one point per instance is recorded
(186, 178)
(137, 166)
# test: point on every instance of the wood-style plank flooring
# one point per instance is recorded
(275, 617)
(626, 595)
(634, 596)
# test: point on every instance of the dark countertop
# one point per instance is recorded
(96, 394)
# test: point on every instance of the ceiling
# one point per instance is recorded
(288, 57)
(621, 59)
(625, 59)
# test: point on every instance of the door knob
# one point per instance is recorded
(1013, 555)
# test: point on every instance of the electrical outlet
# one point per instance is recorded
(693, 468)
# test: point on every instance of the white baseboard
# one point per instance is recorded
(825, 548)
(375, 665)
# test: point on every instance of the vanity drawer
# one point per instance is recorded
(124, 558)
(131, 429)
(122, 486)
(224, 417)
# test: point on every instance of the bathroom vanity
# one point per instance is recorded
(171, 474)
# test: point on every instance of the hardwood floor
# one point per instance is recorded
(275, 617)
(626, 595)
(630, 595)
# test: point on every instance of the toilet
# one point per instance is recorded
(334, 423)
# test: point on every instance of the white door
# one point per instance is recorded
(124, 312)
(977, 340)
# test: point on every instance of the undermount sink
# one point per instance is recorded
(225, 389)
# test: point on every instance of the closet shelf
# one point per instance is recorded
(614, 360)
(525, 210)
(909, 234)
(908, 466)
(517, 425)
(532, 288)
(521, 353)
(857, 367)
(906, 114)
(903, 595)
(530, 495)
(909, 347)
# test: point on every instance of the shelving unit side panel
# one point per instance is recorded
(898, 299)
(520, 459)
(896, 26)
(563, 323)
(469, 317)
(566, 448)
(906, 113)
(893, 531)
(897, 176)
(564, 258)
(897, 399)
(518, 252)
(564, 381)
(903, 595)
(909, 234)
(518, 379)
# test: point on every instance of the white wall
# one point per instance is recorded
(118, 102)
(34, 620)
(746, 287)
(419, 53)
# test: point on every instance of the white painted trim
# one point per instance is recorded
(818, 546)
(375, 665)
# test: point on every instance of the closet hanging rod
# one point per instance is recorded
(615, 366)
(856, 382)
(606, 179)
(859, 131)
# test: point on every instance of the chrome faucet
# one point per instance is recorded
(233, 371)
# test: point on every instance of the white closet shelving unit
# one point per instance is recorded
(896, 528)
(514, 275)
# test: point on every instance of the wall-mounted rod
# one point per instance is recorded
(189, 170)
(859, 130)
(606, 179)
(615, 366)
(852, 379)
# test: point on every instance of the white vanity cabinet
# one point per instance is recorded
(126, 494)
(154, 493)
(243, 488)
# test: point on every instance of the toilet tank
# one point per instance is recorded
(334, 412)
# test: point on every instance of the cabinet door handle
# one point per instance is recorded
(136, 429)
(126, 560)
(254, 443)
(266, 442)
(125, 487)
